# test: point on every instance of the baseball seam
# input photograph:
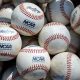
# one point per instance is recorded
(62, 10)
(4, 23)
(5, 20)
(22, 29)
(15, 76)
(53, 24)
(7, 54)
(54, 37)
(33, 68)
(30, 15)
(27, 50)
(9, 38)
(69, 66)
(76, 24)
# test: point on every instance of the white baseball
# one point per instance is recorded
(43, 1)
(11, 74)
(5, 15)
(27, 19)
(54, 37)
(75, 19)
(10, 43)
(33, 62)
(65, 66)
(17, 2)
(60, 11)
(74, 44)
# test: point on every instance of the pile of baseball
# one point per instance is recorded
(39, 40)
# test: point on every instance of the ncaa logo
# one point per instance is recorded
(38, 59)
(33, 9)
(6, 31)
(5, 46)
(29, 23)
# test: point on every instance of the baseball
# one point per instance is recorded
(54, 37)
(5, 15)
(33, 62)
(11, 74)
(65, 66)
(43, 1)
(75, 19)
(10, 43)
(27, 19)
(60, 11)
(74, 44)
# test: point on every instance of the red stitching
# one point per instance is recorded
(4, 23)
(7, 54)
(5, 20)
(62, 9)
(77, 24)
(69, 66)
(35, 67)
(27, 50)
(9, 38)
(22, 28)
(53, 23)
(15, 76)
(53, 37)
(21, 6)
